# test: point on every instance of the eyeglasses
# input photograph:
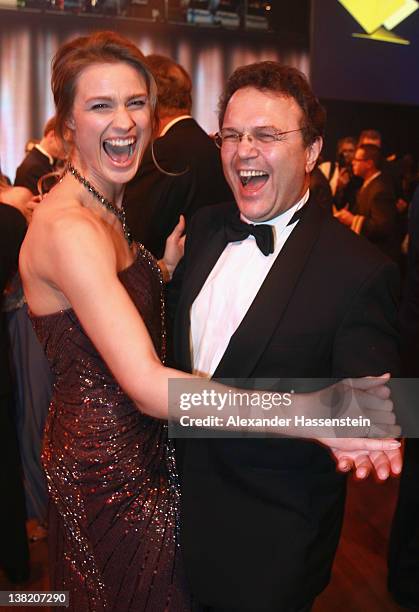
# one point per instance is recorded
(261, 136)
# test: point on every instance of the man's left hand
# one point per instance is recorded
(381, 463)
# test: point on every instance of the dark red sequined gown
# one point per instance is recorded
(113, 524)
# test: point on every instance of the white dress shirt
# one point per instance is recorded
(229, 291)
(369, 180)
(44, 152)
(172, 123)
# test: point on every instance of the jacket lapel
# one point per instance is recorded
(248, 343)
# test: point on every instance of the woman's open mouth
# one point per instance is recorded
(120, 150)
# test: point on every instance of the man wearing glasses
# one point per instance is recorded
(375, 213)
(274, 287)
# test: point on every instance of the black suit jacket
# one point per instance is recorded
(409, 312)
(261, 518)
(14, 553)
(154, 201)
(35, 165)
(377, 203)
(404, 540)
(12, 232)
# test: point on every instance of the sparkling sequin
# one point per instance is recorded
(111, 472)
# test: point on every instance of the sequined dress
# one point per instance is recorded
(113, 519)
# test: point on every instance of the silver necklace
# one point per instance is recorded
(118, 212)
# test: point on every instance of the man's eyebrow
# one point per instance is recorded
(256, 127)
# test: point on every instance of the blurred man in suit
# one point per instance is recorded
(391, 165)
(343, 184)
(14, 552)
(40, 160)
(403, 578)
(375, 213)
(181, 172)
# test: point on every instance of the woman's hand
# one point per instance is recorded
(173, 252)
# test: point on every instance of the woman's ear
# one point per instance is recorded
(69, 122)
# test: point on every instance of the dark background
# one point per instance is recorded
(358, 69)
(365, 83)
(362, 83)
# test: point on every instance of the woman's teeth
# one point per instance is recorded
(119, 149)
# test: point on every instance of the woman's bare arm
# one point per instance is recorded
(74, 258)
(75, 255)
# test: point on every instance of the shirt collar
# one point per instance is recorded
(172, 123)
(51, 159)
(284, 218)
(365, 183)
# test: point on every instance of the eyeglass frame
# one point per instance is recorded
(218, 139)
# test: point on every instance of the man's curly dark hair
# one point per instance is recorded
(286, 81)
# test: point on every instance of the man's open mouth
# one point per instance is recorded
(253, 178)
(120, 149)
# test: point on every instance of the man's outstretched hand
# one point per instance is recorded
(364, 456)
(382, 463)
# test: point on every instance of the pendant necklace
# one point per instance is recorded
(118, 212)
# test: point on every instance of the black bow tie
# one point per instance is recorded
(236, 230)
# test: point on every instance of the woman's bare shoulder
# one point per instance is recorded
(57, 212)
(65, 250)
(60, 228)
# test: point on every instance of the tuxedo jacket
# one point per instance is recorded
(377, 203)
(409, 311)
(154, 201)
(261, 517)
(12, 233)
(404, 541)
(14, 553)
(35, 165)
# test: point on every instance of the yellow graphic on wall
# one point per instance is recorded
(379, 17)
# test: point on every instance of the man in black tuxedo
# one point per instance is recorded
(14, 551)
(261, 518)
(404, 541)
(375, 213)
(40, 160)
(188, 173)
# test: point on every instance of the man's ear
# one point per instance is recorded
(313, 151)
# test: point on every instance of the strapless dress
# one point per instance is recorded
(112, 481)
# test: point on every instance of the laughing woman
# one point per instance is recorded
(110, 470)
